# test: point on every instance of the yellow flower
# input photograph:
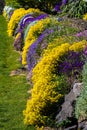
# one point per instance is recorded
(85, 17)
(32, 35)
(45, 83)
(78, 46)
(15, 18)
(17, 36)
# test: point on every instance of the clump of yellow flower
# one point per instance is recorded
(32, 35)
(7, 12)
(45, 82)
(44, 89)
(17, 36)
(40, 128)
(15, 18)
(34, 32)
(5, 15)
(78, 46)
(85, 17)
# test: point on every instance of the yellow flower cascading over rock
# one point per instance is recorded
(45, 90)
(34, 32)
(32, 35)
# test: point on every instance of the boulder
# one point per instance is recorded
(82, 125)
(67, 110)
(71, 128)
(77, 87)
(21, 71)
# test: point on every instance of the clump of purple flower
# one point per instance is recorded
(85, 51)
(36, 49)
(58, 5)
(27, 19)
(23, 22)
(71, 64)
(82, 34)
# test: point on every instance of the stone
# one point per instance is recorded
(70, 96)
(70, 109)
(82, 125)
(71, 128)
(66, 111)
(69, 101)
(21, 71)
(29, 75)
(77, 87)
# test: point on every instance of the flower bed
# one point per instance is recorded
(54, 54)
(46, 86)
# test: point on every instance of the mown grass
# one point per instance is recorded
(13, 89)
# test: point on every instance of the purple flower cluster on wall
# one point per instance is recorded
(28, 18)
(82, 34)
(18, 43)
(58, 5)
(36, 49)
(71, 64)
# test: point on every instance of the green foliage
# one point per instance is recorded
(75, 9)
(12, 3)
(44, 5)
(81, 104)
(63, 123)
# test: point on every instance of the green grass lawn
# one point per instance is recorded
(13, 89)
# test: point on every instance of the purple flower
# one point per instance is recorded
(79, 34)
(25, 20)
(28, 18)
(82, 34)
(18, 43)
(42, 16)
(57, 7)
(85, 51)
(72, 62)
(36, 49)
(64, 1)
(10, 13)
